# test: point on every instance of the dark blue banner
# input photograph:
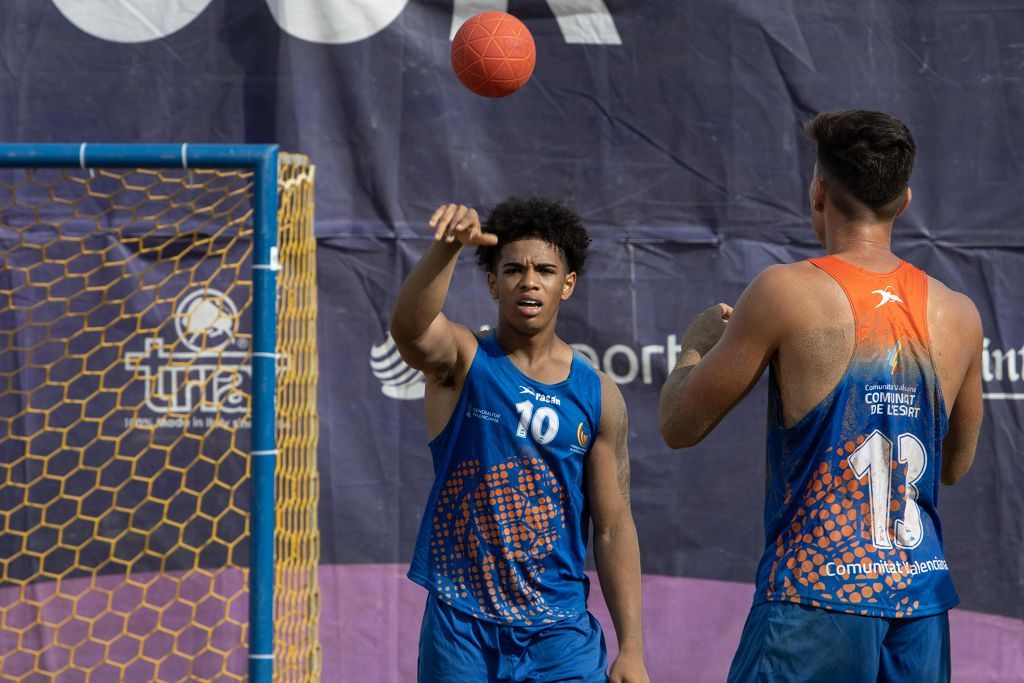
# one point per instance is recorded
(675, 130)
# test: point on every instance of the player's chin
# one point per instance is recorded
(530, 324)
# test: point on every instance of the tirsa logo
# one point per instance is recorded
(204, 370)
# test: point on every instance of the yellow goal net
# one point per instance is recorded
(125, 413)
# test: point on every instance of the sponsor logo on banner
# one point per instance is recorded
(332, 22)
(397, 379)
(1002, 371)
(198, 378)
(620, 362)
(1002, 368)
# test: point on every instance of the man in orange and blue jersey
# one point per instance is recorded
(874, 398)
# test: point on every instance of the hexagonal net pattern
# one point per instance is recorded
(297, 535)
(125, 329)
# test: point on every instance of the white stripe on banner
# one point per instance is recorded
(997, 396)
(582, 22)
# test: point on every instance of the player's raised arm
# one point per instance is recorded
(427, 340)
(724, 352)
(616, 550)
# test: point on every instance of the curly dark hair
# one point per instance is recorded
(869, 154)
(517, 219)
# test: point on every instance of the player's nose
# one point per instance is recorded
(530, 279)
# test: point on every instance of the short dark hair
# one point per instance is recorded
(869, 154)
(517, 219)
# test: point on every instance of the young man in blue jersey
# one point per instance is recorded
(874, 398)
(529, 444)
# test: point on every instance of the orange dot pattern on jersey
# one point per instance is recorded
(491, 533)
(832, 528)
(493, 54)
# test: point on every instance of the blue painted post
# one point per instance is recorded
(264, 452)
(262, 160)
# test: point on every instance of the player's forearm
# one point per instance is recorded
(958, 450)
(673, 417)
(617, 555)
(423, 293)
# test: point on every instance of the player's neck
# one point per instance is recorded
(536, 355)
(864, 244)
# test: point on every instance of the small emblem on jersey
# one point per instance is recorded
(538, 396)
(582, 436)
(887, 296)
(893, 359)
(481, 414)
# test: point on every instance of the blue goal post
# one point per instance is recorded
(262, 162)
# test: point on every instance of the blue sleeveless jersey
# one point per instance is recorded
(504, 534)
(851, 522)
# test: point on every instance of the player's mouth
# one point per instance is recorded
(528, 306)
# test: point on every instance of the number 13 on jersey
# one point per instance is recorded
(874, 459)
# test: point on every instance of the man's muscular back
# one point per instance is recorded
(814, 327)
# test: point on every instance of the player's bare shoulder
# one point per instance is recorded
(784, 283)
(954, 327)
(796, 296)
(614, 424)
(948, 308)
(613, 406)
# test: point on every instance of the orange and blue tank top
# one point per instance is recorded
(851, 518)
(504, 534)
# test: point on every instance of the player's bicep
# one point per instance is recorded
(733, 366)
(439, 349)
(608, 461)
(966, 414)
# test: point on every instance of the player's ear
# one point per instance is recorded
(492, 284)
(906, 202)
(568, 286)
(818, 194)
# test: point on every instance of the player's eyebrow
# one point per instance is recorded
(521, 264)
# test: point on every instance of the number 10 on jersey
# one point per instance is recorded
(542, 422)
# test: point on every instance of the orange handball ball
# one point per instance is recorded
(493, 54)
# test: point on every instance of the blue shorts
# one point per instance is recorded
(784, 641)
(458, 648)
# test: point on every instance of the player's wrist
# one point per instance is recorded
(446, 248)
(631, 648)
(688, 357)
